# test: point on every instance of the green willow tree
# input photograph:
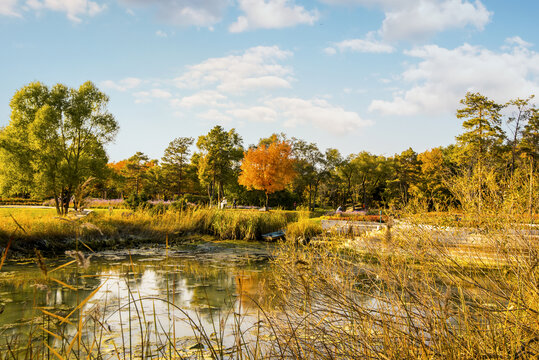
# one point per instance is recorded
(218, 159)
(55, 141)
(309, 167)
(406, 169)
(370, 172)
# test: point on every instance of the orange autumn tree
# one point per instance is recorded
(268, 167)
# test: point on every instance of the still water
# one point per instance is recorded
(126, 300)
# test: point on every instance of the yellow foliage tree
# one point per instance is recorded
(268, 167)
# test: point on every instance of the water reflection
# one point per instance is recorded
(145, 295)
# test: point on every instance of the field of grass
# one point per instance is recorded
(402, 293)
(101, 229)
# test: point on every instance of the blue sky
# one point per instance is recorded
(374, 75)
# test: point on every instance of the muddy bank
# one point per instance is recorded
(188, 244)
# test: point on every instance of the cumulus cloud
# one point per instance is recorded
(443, 76)
(147, 96)
(203, 13)
(215, 117)
(203, 98)
(367, 45)
(429, 17)
(222, 90)
(419, 19)
(122, 85)
(517, 41)
(8, 8)
(74, 9)
(317, 112)
(254, 114)
(292, 112)
(256, 68)
(271, 14)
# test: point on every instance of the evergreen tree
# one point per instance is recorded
(175, 160)
(483, 137)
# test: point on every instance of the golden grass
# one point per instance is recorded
(411, 297)
(101, 229)
(414, 292)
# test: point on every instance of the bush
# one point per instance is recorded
(304, 229)
(178, 205)
(19, 201)
(196, 199)
(135, 201)
(157, 209)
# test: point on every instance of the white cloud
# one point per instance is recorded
(161, 33)
(8, 8)
(517, 40)
(227, 93)
(254, 114)
(74, 9)
(203, 98)
(204, 13)
(215, 117)
(368, 45)
(160, 94)
(271, 14)
(430, 17)
(318, 113)
(330, 51)
(419, 19)
(122, 85)
(143, 97)
(443, 76)
(256, 68)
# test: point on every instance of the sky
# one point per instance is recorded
(356, 75)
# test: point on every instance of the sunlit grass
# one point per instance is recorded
(104, 228)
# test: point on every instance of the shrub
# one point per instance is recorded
(304, 229)
(157, 209)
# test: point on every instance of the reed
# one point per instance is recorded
(418, 295)
(410, 292)
(103, 229)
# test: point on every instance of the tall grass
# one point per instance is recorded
(104, 229)
(303, 229)
(411, 296)
(411, 292)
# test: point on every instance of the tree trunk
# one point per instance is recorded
(57, 204)
(180, 183)
(267, 200)
(364, 190)
(66, 204)
(210, 192)
(310, 197)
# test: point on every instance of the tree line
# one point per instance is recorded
(54, 144)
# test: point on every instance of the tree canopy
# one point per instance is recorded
(269, 168)
(55, 141)
(218, 159)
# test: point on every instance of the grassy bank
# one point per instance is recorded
(398, 294)
(42, 229)
(409, 296)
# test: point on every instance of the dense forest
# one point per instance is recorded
(494, 157)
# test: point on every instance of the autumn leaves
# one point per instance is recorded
(268, 167)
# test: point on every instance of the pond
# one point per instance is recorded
(153, 301)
